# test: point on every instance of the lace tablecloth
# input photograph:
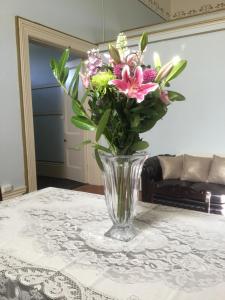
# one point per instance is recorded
(52, 246)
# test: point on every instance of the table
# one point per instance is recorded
(52, 246)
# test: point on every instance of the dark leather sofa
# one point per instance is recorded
(201, 196)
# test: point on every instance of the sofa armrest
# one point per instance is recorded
(151, 173)
(152, 169)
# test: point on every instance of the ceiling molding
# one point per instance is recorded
(194, 11)
(176, 13)
(157, 8)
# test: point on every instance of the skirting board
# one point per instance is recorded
(15, 193)
(50, 169)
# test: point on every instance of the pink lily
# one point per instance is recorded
(133, 86)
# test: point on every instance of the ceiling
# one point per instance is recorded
(114, 16)
(122, 15)
(99, 21)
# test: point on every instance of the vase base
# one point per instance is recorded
(122, 233)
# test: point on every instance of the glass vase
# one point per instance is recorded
(121, 183)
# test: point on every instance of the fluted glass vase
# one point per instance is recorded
(121, 183)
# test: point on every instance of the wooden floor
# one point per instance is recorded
(94, 189)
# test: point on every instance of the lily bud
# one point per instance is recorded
(164, 71)
(157, 61)
(114, 53)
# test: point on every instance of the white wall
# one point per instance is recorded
(199, 120)
(61, 15)
(79, 18)
(196, 125)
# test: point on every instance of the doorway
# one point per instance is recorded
(57, 164)
(29, 31)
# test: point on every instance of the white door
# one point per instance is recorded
(74, 163)
(79, 165)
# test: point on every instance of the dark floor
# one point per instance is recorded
(44, 181)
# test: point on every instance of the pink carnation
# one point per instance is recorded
(117, 70)
(149, 75)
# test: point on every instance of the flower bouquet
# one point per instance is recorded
(125, 99)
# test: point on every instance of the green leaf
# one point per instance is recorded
(78, 108)
(79, 146)
(98, 160)
(114, 53)
(143, 41)
(83, 123)
(63, 60)
(147, 126)
(54, 67)
(135, 121)
(74, 84)
(102, 124)
(174, 96)
(64, 75)
(141, 145)
(167, 84)
(102, 148)
(176, 70)
(82, 100)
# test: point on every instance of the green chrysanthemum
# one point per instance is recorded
(101, 79)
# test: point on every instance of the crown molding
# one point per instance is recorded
(157, 8)
(193, 10)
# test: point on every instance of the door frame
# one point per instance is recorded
(26, 31)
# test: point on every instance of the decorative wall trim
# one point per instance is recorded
(203, 9)
(27, 30)
(174, 14)
(15, 193)
(156, 7)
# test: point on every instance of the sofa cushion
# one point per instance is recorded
(171, 166)
(217, 170)
(195, 168)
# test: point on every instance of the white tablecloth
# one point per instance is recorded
(52, 246)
